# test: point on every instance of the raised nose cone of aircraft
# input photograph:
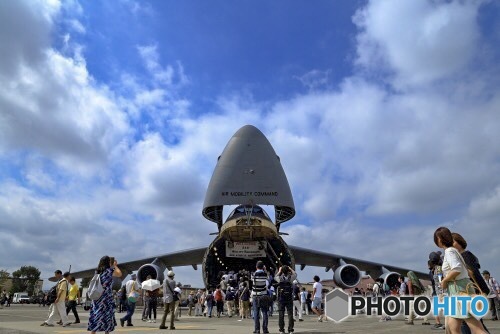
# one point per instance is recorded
(248, 172)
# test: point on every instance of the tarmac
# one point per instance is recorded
(26, 319)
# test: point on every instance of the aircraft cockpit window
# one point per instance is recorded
(240, 211)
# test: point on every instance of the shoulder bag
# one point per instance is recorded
(133, 295)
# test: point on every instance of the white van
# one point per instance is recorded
(21, 298)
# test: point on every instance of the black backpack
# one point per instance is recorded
(285, 291)
(52, 294)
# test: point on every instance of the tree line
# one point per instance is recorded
(23, 280)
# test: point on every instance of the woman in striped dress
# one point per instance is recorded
(102, 313)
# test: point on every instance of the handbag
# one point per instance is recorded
(175, 294)
(265, 301)
(470, 288)
(133, 295)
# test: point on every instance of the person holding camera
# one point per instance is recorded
(285, 277)
(102, 312)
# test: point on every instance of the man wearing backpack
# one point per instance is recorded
(285, 278)
(59, 304)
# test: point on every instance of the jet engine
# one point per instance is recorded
(390, 278)
(347, 276)
(153, 269)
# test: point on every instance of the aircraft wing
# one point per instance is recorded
(303, 257)
(176, 259)
(311, 257)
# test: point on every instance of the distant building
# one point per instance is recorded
(7, 285)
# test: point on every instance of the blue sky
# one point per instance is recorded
(112, 116)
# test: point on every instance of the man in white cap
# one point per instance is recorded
(132, 288)
(168, 299)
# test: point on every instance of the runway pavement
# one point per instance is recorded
(26, 319)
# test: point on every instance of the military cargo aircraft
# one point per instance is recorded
(249, 174)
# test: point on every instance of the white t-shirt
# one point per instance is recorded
(303, 296)
(319, 287)
(453, 261)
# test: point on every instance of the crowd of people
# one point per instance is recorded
(254, 296)
(259, 294)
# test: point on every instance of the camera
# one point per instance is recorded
(285, 270)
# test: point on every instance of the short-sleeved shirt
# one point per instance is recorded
(319, 287)
(453, 262)
(73, 292)
(63, 286)
(259, 283)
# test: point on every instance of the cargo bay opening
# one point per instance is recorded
(225, 256)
